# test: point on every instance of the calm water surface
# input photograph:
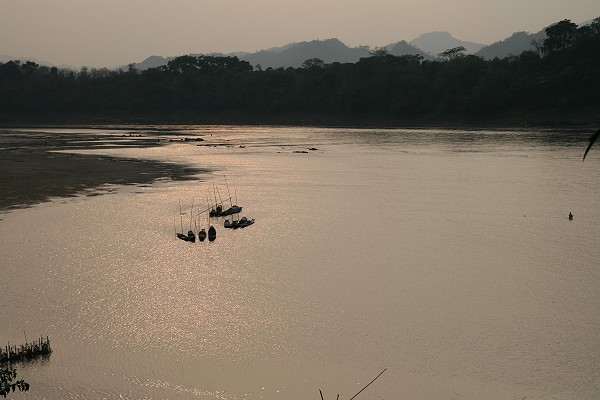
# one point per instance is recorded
(444, 256)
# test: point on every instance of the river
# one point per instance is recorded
(445, 256)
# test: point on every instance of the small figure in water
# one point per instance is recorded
(570, 216)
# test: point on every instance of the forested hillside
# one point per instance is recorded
(559, 84)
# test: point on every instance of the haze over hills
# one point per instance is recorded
(293, 55)
(428, 45)
(403, 48)
(553, 87)
(436, 42)
(330, 50)
(514, 45)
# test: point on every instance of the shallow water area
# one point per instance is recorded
(445, 256)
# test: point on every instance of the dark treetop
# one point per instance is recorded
(558, 84)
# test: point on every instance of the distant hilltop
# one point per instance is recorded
(428, 45)
(436, 42)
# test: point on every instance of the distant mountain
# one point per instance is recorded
(294, 54)
(436, 42)
(514, 45)
(152, 62)
(402, 48)
(429, 45)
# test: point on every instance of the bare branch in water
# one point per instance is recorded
(368, 384)
(359, 392)
(592, 140)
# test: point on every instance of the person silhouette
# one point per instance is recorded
(570, 216)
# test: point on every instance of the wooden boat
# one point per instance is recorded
(219, 212)
(232, 210)
(190, 237)
(230, 224)
(244, 222)
(182, 237)
(216, 212)
(212, 233)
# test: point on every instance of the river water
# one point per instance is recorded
(445, 256)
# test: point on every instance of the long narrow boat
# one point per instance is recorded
(244, 222)
(219, 209)
(219, 212)
(230, 224)
(182, 236)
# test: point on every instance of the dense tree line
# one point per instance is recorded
(558, 81)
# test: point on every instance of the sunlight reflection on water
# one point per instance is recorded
(444, 256)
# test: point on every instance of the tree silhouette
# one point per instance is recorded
(313, 63)
(453, 53)
(561, 35)
(379, 52)
(530, 88)
(8, 381)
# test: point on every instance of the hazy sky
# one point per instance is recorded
(116, 32)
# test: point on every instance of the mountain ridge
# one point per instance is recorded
(514, 45)
(429, 45)
(436, 42)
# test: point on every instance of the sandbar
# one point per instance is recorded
(32, 171)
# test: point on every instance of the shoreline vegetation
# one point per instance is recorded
(588, 119)
(556, 84)
(27, 351)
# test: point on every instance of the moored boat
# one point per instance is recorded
(190, 237)
(219, 212)
(244, 222)
(212, 233)
(182, 237)
(230, 224)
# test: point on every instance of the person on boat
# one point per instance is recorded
(570, 216)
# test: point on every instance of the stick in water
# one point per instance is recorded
(368, 384)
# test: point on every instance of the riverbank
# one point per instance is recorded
(555, 119)
(37, 166)
(41, 161)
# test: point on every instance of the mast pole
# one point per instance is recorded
(215, 194)
(180, 216)
(228, 192)
(219, 196)
(191, 214)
